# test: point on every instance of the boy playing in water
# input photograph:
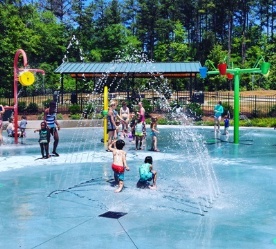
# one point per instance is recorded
(22, 125)
(226, 125)
(119, 162)
(147, 174)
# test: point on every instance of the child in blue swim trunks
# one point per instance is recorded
(119, 162)
(147, 174)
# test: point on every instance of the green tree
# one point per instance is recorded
(176, 48)
(147, 16)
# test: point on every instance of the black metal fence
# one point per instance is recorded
(251, 106)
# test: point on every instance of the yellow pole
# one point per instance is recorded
(105, 112)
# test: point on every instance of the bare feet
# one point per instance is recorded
(120, 188)
(153, 187)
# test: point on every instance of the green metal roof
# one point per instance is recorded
(166, 68)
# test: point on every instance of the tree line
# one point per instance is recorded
(53, 31)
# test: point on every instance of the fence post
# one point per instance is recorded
(228, 98)
(255, 105)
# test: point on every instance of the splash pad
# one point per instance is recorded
(211, 194)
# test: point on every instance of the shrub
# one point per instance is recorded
(32, 108)
(59, 116)
(75, 116)
(130, 105)
(74, 109)
(263, 122)
(162, 121)
(272, 112)
(194, 110)
(227, 108)
(256, 113)
(21, 106)
(147, 106)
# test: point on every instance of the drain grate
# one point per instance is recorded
(112, 215)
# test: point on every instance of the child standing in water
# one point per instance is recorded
(10, 128)
(44, 139)
(119, 162)
(22, 125)
(132, 125)
(154, 131)
(139, 135)
(226, 125)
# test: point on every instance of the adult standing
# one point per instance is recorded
(124, 113)
(2, 111)
(111, 123)
(53, 125)
(218, 111)
(142, 112)
(112, 115)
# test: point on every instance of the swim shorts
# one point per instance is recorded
(139, 134)
(146, 177)
(118, 169)
(118, 172)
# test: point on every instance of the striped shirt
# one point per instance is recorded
(50, 119)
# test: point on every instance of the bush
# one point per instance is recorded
(21, 106)
(74, 109)
(147, 106)
(165, 121)
(75, 116)
(194, 110)
(227, 108)
(59, 116)
(263, 122)
(256, 113)
(89, 108)
(32, 108)
(272, 112)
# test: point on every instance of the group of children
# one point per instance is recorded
(137, 125)
(21, 128)
(138, 132)
(119, 165)
(44, 134)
